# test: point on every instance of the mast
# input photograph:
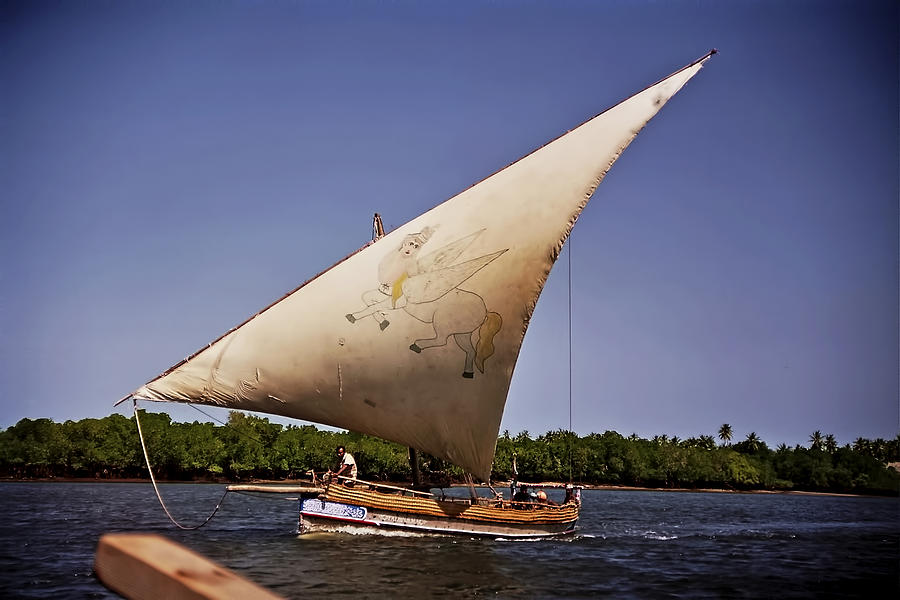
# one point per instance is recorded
(377, 228)
(414, 463)
(377, 234)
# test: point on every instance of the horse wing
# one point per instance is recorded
(430, 286)
(444, 256)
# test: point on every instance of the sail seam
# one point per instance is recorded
(340, 384)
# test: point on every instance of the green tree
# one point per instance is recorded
(248, 442)
(725, 434)
(753, 441)
(753, 445)
(816, 440)
(706, 442)
(740, 471)
(202, 449)
(879, 449)
(253, 447)
(35, 448)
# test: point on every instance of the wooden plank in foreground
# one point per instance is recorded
(138, 566)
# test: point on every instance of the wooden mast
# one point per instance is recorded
(377, 234)
(414, 463)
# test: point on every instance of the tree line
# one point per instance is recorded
(251, 447)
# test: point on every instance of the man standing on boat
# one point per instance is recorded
(347, 466)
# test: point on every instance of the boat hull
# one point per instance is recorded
(343, 509)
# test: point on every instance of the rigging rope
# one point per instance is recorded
(156, 487)
(569, 437)
(226, 425)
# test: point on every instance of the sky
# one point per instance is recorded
(167, 169)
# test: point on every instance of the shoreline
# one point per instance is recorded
(626, 488)
(621, 488)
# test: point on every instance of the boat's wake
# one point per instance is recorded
(567, 538)
(357, 531)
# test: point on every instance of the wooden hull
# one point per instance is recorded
(359, 510)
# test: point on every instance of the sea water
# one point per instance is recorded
(629, 544)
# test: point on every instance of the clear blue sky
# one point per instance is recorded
(167, 169)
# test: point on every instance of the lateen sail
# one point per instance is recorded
(414, 338)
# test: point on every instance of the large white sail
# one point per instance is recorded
(414, 338)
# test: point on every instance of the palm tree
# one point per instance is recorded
(782, 448)
(725, 434)
(752, 441)
(861, 445)
(707, 442)
(830, 443)
(816, 440)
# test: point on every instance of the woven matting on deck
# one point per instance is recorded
(455, 510)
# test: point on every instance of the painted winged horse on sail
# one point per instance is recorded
(428, 290)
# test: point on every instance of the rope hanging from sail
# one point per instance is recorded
(569, 437)
(156, 487)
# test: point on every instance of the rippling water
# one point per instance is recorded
(630, 544)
